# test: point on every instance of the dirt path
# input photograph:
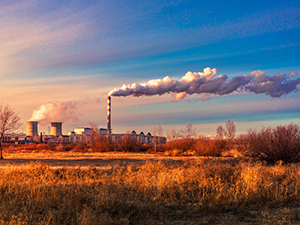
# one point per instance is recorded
(98, 160)
(73, 159)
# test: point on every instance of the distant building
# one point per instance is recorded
(14, 138)
(85, 135)
(83, 130)
(64, 139)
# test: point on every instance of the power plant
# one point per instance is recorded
(109, 115)
(56, 129)
(31, 128)
(83, 134)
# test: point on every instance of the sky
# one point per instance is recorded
(62, 58)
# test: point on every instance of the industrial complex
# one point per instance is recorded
(78, 135)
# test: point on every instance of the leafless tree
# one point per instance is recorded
(188, 132)
(230, 129)
(93, 125)
(220, 132)
(157, 134)
(9, 122)
(94, 137)
(172, 135)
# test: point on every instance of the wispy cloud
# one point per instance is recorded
(48, 81)
(28, 39)
(38, 35)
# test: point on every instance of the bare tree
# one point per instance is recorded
(9, 122)
(94, 136)
(172, 135)
(230, 129)
(188, 132)
(220, 132)
(157, 135)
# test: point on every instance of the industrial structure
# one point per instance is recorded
(56, 129)
(31, 128)
(109, 115)
(85, 134)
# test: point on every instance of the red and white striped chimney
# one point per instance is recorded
(108, 115)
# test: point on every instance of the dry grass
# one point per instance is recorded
(202, 191)
(67, 184)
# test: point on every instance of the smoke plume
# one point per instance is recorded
(58, 112)
(206, 83)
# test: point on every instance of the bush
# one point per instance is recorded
(272, 145)
(181, 145)
(102, 144)
(42, 147)
(210, 147)
(80, 147)
(64, 147)
(127, 144)
(202, 146)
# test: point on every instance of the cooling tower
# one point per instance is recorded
(108, 115)
(56, 128)
(31, 128)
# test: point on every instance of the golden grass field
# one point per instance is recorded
(46, 187)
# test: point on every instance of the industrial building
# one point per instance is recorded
(31, 128)
(84, 134)
(56, 129)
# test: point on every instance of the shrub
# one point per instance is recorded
(127, 144)
(102, 144)
(279, 144)
(42, 147)
(210, 147)
(242, 144)
(80, 147)
(180, 145)
(202, 146)
(64, 147)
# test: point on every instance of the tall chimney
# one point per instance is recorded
(108, 115)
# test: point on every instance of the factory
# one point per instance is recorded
(81, 135)
(84, 134)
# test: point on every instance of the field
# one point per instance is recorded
(47, 187)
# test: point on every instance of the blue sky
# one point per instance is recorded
(77, 51)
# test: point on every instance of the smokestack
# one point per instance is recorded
(56, 128)
(108, 115)
(31, 128)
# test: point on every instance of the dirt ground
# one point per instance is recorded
(75, 159)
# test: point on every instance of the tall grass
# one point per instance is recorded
(155, 192)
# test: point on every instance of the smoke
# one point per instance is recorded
(58, 112)
(206, 83)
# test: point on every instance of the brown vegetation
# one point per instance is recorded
(281, 143)
(201, 146)
(156, 192)
(242, 189)
(271, 145)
